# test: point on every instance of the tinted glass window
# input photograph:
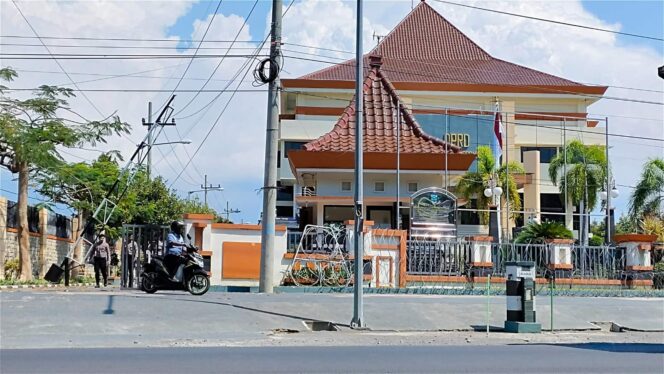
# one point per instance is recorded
(546, 153)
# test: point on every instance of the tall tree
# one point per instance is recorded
(648, 195)
(584, 178)
(32, 131)
(473, 183)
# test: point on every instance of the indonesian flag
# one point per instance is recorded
(498, 134)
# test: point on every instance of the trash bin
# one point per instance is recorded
(54, 273)
(520, 291)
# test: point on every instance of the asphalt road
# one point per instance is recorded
(54, 319)
(571, 358)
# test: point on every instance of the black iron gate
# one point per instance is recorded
(139, 244)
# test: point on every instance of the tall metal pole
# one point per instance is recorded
(271, 144)
(149, 168)
(447, 131)
(565, 168)
(507, 178)
(608, 185)
(358, 244)
(398, 212)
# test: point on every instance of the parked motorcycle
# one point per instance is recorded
(193, 277)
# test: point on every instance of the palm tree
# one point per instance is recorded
(580, 170)
(648, 195)
(473, 183)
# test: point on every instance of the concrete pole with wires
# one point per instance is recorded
(358, 239)
(149, 167)
(266, 280)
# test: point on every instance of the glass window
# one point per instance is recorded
(546, 153)
(379, 187)
(345, 186)
(290, 146)
(337, 214)
(412, 187)
(284, 211)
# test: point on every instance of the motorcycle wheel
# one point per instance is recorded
(148, 284)
(198, 284)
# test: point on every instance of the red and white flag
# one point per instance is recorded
(498, 134)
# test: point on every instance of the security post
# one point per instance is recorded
(520, 289)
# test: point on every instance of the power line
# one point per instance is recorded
(237, 35)
(170, 48)
(552, 21)
(556, 127)
(216, 122)
(455, 79)
(54, 59)
(126, 39)
(145, 90)
(68, 56)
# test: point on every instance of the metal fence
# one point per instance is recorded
(427, 257)
(449, 258)
(149, 241)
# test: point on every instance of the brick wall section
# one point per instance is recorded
(44, 249)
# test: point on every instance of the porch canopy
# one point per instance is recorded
(418, 150)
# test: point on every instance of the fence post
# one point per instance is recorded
(488, 302)
(551, 282)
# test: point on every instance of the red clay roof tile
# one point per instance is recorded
(379, 127)
(425, 47)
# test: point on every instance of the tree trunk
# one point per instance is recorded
(23, 227)
(76, 232)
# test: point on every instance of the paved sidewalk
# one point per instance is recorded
(122, 318)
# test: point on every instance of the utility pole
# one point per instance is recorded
(149, 125)
(266, 284)
(228, 211)
(358, 239)
(205, 188)
(150, 139)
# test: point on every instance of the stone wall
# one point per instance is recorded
(55, 249)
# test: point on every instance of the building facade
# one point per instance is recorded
(449, 88)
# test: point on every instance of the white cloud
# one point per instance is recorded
(233, 155)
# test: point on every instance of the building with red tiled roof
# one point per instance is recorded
(445, 89)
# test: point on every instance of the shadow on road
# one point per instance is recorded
(482, 328)
(612, 347)
(299, 318)
(109, 308)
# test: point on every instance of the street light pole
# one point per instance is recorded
(358, 245)
(608, 184)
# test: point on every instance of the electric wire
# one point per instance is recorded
(552, 21)
(454, 79)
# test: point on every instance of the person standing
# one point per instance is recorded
(101, 255)
(131, 251)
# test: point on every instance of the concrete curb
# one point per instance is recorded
(452, 290)
(20, 286)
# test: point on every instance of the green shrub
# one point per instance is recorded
(540, 232)
(11, 268)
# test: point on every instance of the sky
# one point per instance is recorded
(234, 151)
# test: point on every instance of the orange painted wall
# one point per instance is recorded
(241, 260)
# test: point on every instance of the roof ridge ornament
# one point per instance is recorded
(375, 61)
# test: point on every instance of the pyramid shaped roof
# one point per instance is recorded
(426, 48)
(379, 128)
